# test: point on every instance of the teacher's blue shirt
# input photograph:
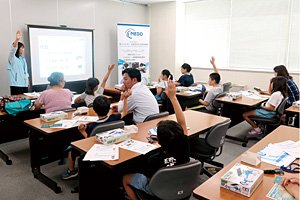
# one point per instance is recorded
(17, 69)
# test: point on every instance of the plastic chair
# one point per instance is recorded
(177, 182)
(206, 149)
(155, 116)
(268, 123)
(226, 87)
(107, 126)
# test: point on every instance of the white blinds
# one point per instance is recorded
(243, 34)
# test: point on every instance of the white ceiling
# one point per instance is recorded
(147, 1)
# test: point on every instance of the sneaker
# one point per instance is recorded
(69, 174)
(254, 132)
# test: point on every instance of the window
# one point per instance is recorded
(243, 34)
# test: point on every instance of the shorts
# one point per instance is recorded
(265, 113)
(140, 182)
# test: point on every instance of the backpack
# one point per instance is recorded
(14, 108)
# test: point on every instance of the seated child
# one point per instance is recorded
(206, 106)
(279, 91)
(92, 90)
(187, 78)
(101, 106)
(56, 97)
(172, 136)
(165, 76)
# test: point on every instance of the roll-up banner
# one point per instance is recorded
(133, 50)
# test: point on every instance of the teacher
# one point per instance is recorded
(17, 68)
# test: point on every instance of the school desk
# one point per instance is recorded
(211, 189)
(293, 111)
(102, 178)
(234, 109)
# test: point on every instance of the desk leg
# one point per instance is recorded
(95, 179)
(36, 161)
(46, 180)
(5, 158)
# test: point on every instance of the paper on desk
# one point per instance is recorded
(290, 147)
(66, 123)
(137, 146)
(32, 94)
(102, 152)
(275, 156)
(153, 131)
(87, 118)
(278, 192)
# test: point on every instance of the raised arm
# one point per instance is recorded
(126, 95)
(110, 68)
(171, 92)
(212, 61)
(11, 57)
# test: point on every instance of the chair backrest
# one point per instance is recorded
(216, 136)
(226, 86)
(215, 103)
(157, 115)
(280, 109)
(176, 182)
(107, 126)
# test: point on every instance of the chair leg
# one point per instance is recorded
(215, 163)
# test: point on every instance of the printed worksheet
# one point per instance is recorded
(275, 156)
(290, 147)
(66, 123)
(102, 152)
(278, 192)
(137, 146)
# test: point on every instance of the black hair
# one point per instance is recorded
(55, 78)
(20, 44)
(101, 105)
(280, 84)
(167, 73)
(216, 77)
(170, 135)
(133, 73)
(187, 67)
(282, 71)
(91, 83)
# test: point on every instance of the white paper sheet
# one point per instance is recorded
(102, 152)
(86, 118)
(32, 94)
(290, 147)
(275, 156)
(66, 123)
(137, 146)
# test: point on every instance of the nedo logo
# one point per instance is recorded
(131, 32)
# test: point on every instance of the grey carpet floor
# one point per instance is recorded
(17, 181)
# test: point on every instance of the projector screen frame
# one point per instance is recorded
(77, 86)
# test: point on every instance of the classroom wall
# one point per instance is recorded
(102, 16)
(162, 38)
(166, 49)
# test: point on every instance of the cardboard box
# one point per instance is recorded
(53, 116)
(296, 103)
(113, 136)
(242, 179)
(235, 95)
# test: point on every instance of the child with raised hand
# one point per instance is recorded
(279, 92)
(172, 136)
(92, 89)
(101, 106)
(162, 84)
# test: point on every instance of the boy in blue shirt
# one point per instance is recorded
(101, 106)
(187, 78)
(172, 136)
